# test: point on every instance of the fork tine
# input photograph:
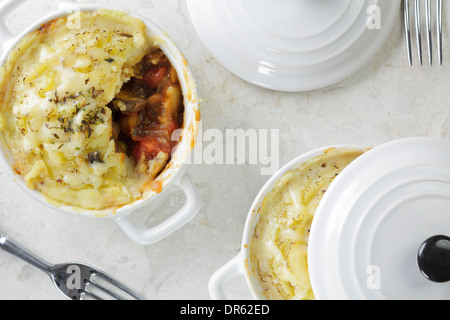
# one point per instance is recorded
(105, 290)
(407, 30)
(439, 29)
(418, 29)
(115, 283)
(429, 36)
(92, 295)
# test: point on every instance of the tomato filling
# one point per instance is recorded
(148, 109)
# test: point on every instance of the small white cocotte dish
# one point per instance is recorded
(370, 225)
(174, 175)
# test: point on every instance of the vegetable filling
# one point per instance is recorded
(147, 111)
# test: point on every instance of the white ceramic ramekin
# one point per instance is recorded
(173, 175)
(240, 264)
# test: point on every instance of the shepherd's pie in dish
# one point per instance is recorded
(279, 246)
(88, 112)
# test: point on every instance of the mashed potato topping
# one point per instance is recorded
(278, 250)
(58, 90)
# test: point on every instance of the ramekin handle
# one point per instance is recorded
(185, 214)
(7, 7)
(230, 270)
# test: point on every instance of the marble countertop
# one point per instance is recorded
(385, 100)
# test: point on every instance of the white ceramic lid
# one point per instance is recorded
(369, 226)
(293, 45)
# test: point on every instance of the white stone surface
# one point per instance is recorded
(385, 100)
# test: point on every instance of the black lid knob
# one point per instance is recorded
(433, 258)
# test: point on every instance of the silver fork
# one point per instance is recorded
(418, 29)
(76, 281)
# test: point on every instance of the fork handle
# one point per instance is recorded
(15, 249)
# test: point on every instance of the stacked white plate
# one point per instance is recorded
(293, 45)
